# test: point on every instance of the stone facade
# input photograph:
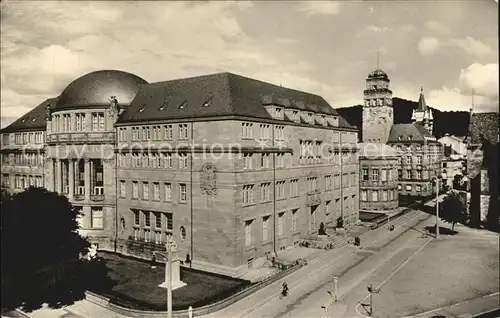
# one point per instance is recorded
(229, 190)
(378, 185)
(378, 116)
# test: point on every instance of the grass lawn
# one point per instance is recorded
(454, 269)
(137, 285)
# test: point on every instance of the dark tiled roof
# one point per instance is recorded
(484, 126)
(227, 94)
(33, 120)
(415, 131)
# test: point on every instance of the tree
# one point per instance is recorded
(453, 209)
(41, 252)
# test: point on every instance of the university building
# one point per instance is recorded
(418, 152)
(232, 167)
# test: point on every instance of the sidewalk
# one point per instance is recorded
(469, 308)
(331, 261)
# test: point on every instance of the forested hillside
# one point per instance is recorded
(453, 123)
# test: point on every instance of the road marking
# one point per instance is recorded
(454, 305)
(401, 221)
(390, 276)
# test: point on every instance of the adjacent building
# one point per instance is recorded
(232, 167)
(453, 160)
(482, 170)
(418, 152)
(378, 183)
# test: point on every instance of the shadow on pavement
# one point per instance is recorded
(442, 230)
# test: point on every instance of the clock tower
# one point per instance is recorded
(378, 116)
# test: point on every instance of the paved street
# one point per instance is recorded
(383, 257)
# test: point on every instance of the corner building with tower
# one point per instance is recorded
(232, 167)
(406, 156)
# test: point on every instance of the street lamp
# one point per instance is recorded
(372, 291)
(437, 205)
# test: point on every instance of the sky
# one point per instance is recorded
(322, 47)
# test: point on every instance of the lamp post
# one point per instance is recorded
(437, 207)
(372, 291)
(336, 287)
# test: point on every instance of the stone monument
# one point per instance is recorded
(175, 266)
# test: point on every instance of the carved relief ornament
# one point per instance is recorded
(208, 179)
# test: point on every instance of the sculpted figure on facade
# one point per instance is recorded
(208, 179)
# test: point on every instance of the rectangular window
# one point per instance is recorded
(183, 131)
(156, 191)
(157, 220)
(384, 195)
(265, 192)
(137, 218)
(168, 192)
(248, 233)
(375, 174)
(247, 194)
(363, 195)
(364, 172)
(246, 130)
(408, 187)
(167, 160)
(281, 223)
(167, 132)
(294, 188)
(374, 195)
(264, 160)
(183, 161)
(97, 217)
(169, 223)
(280, 162)
(383, 176)
(147, 218)
(158, 238)
(123, 189)
(419, 160)
(147, 235)
(135, 190)
(265, 228)
(247, 158)
(418, 188)
(182, 192)
(419, 174)
(280, 190)
(328, 182)
(294, 220)
(145, 191)
(101, 121)
(399, 187)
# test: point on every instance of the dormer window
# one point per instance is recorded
(400, 138)
(409, 137)
(310, 117)
(207, 103)
(295, 115)
(323, 120)
(278, 112)
(141, 109)
(183, 105)
(33, 119)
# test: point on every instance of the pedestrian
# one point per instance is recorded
(190, 312)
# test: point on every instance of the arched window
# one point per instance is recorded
(183, 233)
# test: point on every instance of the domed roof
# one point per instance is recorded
(96, 88)
(371, 150)
(378, 73)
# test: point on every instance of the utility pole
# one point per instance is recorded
(336, 290)
(437, 208)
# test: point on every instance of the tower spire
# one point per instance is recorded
(421, 89)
